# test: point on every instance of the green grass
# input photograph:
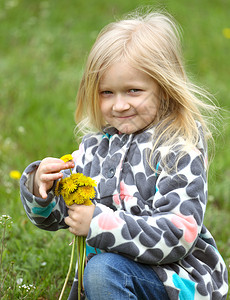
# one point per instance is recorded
(43, 46)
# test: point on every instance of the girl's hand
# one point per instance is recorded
(79, 218)
(48, 171)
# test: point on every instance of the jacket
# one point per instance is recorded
(154, 215)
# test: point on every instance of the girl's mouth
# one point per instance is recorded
(125, 117)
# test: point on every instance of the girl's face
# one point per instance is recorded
(129, 98)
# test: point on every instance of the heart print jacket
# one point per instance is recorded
(152, 215)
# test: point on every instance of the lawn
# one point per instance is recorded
(43, 46)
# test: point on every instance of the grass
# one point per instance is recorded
(42, 52)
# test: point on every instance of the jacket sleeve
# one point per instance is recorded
(46, 213)
(170, 230)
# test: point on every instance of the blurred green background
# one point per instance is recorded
(43, 47)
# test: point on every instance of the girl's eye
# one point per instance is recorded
(106, 93)
(134, 91)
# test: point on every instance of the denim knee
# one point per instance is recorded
(112, 276)
(98, 270)
(105, 278)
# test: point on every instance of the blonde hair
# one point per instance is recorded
(150, 43)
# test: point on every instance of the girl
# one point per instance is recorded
(149, 159)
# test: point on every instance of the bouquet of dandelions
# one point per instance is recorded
(78, 189)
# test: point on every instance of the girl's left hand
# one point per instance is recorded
(79, 218)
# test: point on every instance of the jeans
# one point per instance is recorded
(112, 276)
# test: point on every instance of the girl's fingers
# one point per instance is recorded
(50, 177)
(48, 171)
(73, 206)
(67, 220)
(42, 191)
(43, 194)
(56, 167)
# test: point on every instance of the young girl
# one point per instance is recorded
(149, 159)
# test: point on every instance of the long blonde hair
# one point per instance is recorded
(150, 43)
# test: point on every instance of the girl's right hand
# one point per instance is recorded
(47, 172)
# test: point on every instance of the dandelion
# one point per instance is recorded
(69, 186)
(67, 157)
(78, 189)
(15, 174)
(226, 33)
(85, 193)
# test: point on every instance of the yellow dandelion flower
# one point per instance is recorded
(82, 180)
(67, 157)
(226, 33)
(76, 188)
(76, 177)
(78, 199)
(69, 185)
(86, 192)
(15, 174)
(85, 181)
(69, 200)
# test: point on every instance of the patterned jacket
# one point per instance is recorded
(152, 215)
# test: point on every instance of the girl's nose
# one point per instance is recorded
(120, 104)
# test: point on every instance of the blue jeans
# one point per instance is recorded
(112, 276)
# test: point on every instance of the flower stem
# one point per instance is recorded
(81, 253)
(70, 267)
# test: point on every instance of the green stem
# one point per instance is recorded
(70, 267)
(83, 259)
(81, 253)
